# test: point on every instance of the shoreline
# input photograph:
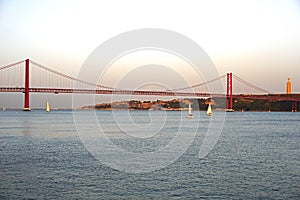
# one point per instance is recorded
(238, 111)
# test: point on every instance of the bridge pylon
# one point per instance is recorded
(26, 88)
(229, 93)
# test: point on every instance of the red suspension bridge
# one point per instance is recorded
(27, 76)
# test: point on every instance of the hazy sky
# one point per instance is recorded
(257, 40)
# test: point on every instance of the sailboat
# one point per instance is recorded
(47, 107)
(209, 112)
(3, 108)
(190, 114)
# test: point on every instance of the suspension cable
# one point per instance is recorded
(11, 65)
(70, 77)
(251, 85)
(199, 84)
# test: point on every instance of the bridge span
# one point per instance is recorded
(67, 86)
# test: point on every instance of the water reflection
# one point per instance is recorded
(26, 127)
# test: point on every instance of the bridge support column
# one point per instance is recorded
(26, 88)
(294, 106)
(229, 93)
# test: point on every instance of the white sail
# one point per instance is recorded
(209, 112)
(190, 114)
(190, 110)
(47, 107)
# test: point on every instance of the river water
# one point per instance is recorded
(256, 156)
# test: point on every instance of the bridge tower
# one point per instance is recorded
(229, 93)
(26, 88)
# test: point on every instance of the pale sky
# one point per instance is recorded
(258, 40)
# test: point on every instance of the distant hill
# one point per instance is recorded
(175, 104)
(239, 104)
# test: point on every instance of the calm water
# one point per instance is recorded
(257, 156)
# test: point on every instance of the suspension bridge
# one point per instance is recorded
(28, 76)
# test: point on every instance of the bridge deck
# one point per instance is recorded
(272, 97)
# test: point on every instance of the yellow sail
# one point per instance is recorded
(47, 107)
(209, 111)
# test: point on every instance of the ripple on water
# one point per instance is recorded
(257, 156)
